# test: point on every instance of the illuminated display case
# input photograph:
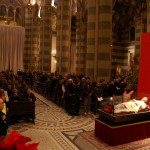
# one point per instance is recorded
(122, 117)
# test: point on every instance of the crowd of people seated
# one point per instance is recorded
(13, 88)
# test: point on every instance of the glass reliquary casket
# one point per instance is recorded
(113, 110)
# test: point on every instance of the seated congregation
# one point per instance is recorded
(16, 100)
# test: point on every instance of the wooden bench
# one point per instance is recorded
(21, 108)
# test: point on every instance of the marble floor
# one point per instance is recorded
(54, 129)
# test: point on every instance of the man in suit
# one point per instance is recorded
(3, 123)
(30, 96)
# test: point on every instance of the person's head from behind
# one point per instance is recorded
(1, 104)
(60, 82)
(98, 84)
(24, 83)
(87, 80)
(28, 91)
(65, 78)
(2, 95)
(112, 82)
(15, 92)
(83, 79)
(20, 79)
(9, 82)
(3, 78)
(103, 82)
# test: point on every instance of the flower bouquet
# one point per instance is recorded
(15, 141)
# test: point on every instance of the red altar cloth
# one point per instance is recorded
(121, 134)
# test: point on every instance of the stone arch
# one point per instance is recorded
(11, 15)
(3, 16)
(18, 16)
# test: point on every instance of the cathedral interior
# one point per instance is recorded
(96, 38)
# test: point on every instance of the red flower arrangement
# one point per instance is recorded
(15, 141)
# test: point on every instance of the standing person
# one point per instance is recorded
(31, 77)
(127, 95)
(98, 92)
(118, 87)
(58, 93)
(111, 89)
(3, 123)
(78, 98)
(105, 89)
(31, 98)
(87, 92)
(70, 91)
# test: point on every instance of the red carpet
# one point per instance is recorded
(90, 138)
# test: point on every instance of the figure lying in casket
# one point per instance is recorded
(133, 106)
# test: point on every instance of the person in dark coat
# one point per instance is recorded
(15, 96)
(111, 89)
(105, 89)
(3, 83)
(78, 98)
(30, 96)
(59, 92)
(98, 93)
(3, 123)
(23, 88)
(118, 87)
(70, 93)
(87, 94)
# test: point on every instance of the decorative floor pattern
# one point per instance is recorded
(56, 130)
(90, 139)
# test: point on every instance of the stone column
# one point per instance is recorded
(81, 38)
(46, 36)
(7, 9)
(14, 16)
(99, 39)
(28, 32)
(138, 33)
(148, 15)
(35, 53)
(63, 36)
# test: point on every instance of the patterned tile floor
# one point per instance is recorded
(54, 129)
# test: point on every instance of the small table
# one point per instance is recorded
(121, 134)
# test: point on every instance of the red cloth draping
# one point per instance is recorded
(117, 135)
(144, 71)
